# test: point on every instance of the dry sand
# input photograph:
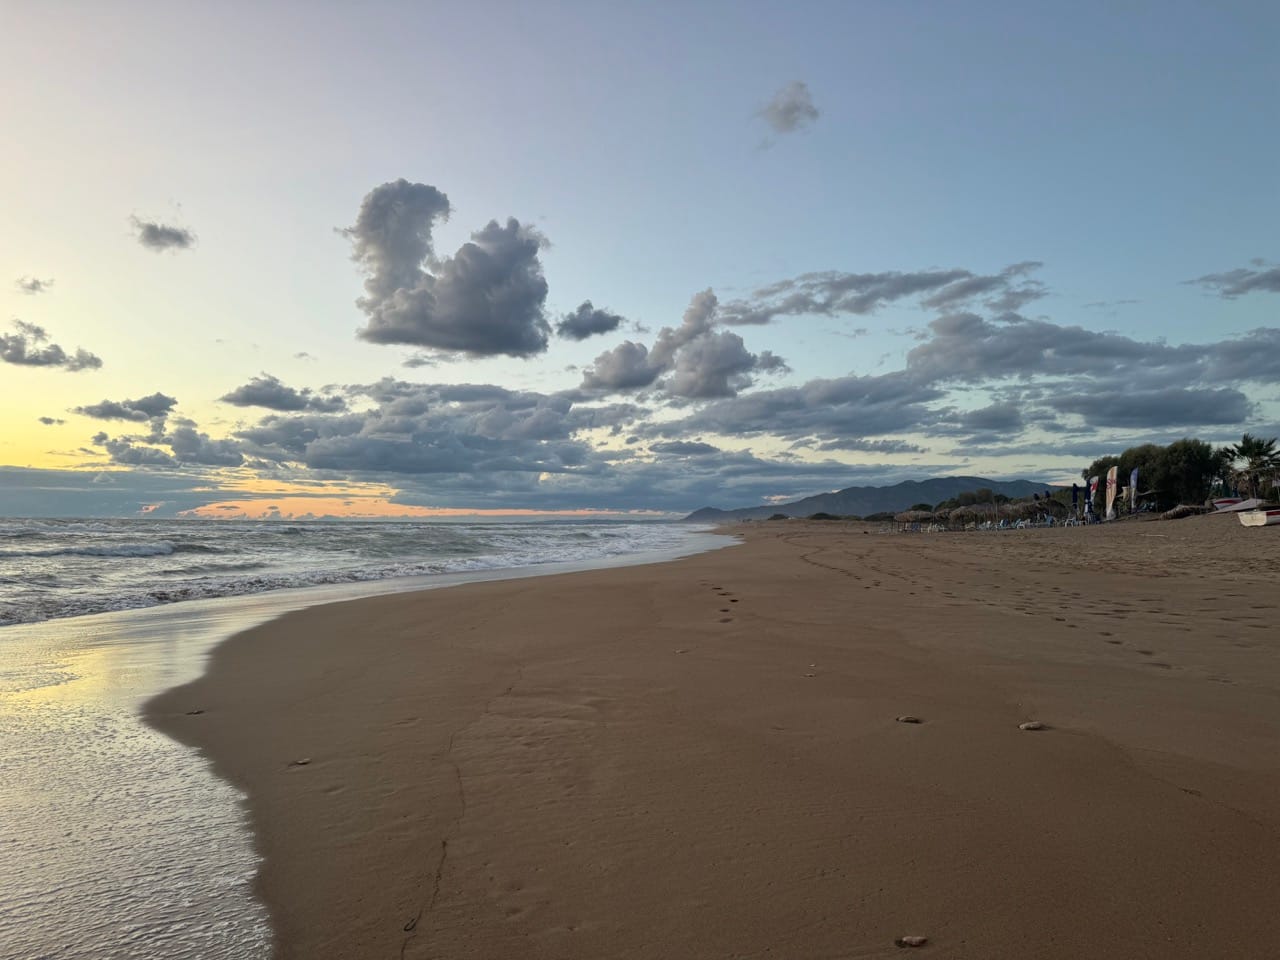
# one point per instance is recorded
(700, 759)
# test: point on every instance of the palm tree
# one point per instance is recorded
(1259, 457)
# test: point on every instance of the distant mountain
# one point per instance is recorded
(862, 501)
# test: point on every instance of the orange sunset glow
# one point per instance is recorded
(345, 508)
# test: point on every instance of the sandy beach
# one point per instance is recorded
(703, 759)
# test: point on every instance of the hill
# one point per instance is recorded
(863, 501)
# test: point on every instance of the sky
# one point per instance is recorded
(420, 259)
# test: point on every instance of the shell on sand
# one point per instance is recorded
(1031, 725)
(908, 719)
(911, 941)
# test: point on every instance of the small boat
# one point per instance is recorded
(1223, 502)
(1260, 518)
(1235, 506)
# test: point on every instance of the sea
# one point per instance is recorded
(116, 842)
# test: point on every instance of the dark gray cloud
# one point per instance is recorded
(790, 109)
(714, 365)
(820, 409)
(834, 293)
(157, 406)
(33, 285)
(159, 236)
(702, 362)
(863, 445)
(967, 348)
(442, 428)
(684, 448)
(587, 321)
(118, 493)
(30, 347)
(485, 300)
(190, 445)
(269, 392)
(187, 444)
(1172, 406)
(1236, 283)
(1010, 289)
(1006, 417)
(51, 421)
(831, 293)
(131, 453)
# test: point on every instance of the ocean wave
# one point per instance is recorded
(253, 563)
(159, 548)
(199, 568)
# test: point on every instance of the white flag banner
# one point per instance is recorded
(1111, 492)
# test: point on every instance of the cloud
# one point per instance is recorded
(835, 293)
(625, 367)
(790, 109)
(189, 445)
(30, 347)
(1237, 283)
(159, 236)
(1005, 417)
(129, 453)
(702, 362)
(51, 421)
(587, 321)
(824, 409)
(32, 285)
(157, 406)
(964, 347)
(267, 391)
(862, 445)
(1170, 407)
(485, 300)
(683, 448)
(714, 365)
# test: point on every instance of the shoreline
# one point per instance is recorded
(700, 758)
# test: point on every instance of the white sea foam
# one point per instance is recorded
(51, 569)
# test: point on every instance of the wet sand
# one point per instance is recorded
(701, 758)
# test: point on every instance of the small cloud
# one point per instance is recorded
(587, 321)
(268, 391)
(33, 285)
(160, 236)
(51, 421)
(1236, 283)
(155, 407)
(30, 347)
(420, 360)
(790, 109)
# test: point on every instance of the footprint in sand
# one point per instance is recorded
(726, 619)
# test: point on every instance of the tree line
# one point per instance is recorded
(1190, 470)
